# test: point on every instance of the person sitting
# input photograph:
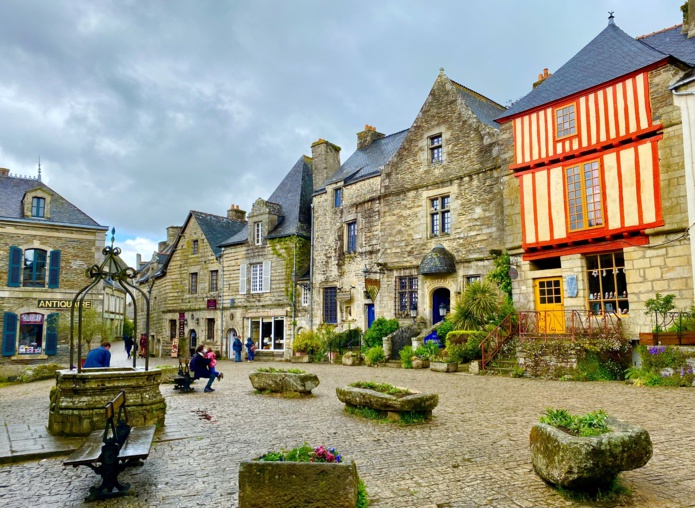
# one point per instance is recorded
(200, 366)
(99, 357)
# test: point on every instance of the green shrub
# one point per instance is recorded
(374, 356)
(381, 388)
(422, 353)
(595, 366)
(477, 306)
(362, 495)
(380, 328)
(463, 346)
(655, 358)
(457, 337)
(444, 330)
(307, 342)
(406, 355)
(590, 424)
(345, 340)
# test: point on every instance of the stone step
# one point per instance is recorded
(394, 364)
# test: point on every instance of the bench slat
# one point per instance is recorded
(88, 452)
(138, 444)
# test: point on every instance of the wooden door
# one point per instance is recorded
(550, 305)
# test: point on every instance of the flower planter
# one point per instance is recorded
(421, 364)
(297, 484)
(667, 338)
(300, 358)
(351, 359)
(583, 462)
(280, 382)
(420, 403)
(444, 366)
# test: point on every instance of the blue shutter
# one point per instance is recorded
(14, 274)
(51, 346)
(54, 270)
(9, 334)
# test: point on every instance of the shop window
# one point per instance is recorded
(607, 284)
(330, 305)
(268, 333)
(31, 333)
(435, 149)
(38, 207)
(406, 295)
(440, 216)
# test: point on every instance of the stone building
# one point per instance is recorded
(46, 246)
(410, 218)
(596, 201)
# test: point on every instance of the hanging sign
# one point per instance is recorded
(31, 318)
(372, 286)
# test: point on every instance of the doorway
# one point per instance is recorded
(193, 342)
(370, 314)
(549, 305)
(440, 304)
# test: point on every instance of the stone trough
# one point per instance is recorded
(282, 382)
(575, 462)
(394, 407)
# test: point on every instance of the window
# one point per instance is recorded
(268, 333)
(34, 268)
(330, 305)
(194, 283)
(565, 122)
(195, 246)
(211, 329)
(470, 279)
(258, 233)
(337, 198)
(213, 280)
(38, 207)
(406, 295)
(440, 216)
(305, 296)
(257, 278)
(351, 237)
(435, 147)
(30, 333)
(172, 328)
(607, 283)
(584, 198)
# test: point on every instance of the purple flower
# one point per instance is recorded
(655, 350)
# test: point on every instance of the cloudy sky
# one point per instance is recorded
(143, 110)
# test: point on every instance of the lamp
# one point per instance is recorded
(197, 321)
(185, 322)
(413, 311)
(442, 309)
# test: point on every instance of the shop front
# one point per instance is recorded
(268, 333)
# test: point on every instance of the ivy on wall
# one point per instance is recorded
(500, 273)
(284, 248)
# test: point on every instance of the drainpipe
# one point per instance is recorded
(311, 272)
(221, 290)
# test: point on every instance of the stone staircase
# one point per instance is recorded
(500, 367)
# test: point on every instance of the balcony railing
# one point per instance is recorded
(567, 324)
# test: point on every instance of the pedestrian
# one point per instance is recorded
(250, 349)
(128, 344)
(210, 355)
(99, 357)
(200, 366)
(237, 346)
(143, 346)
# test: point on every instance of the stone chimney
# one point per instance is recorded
(138, 261)
(325, 161)
(688, 9)
(172, 233)
(367, 136)
(161, 246)
(235, 214)
(542, 77)
(4, 172)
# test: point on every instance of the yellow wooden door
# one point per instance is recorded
(550, 305)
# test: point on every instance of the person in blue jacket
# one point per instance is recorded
(200, 366)
(237, 346)
(250, 348)
(99, 357)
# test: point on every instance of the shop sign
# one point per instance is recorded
(61, 304)
(212, 303)
(31, 318)
(182, 324)
(175, 348)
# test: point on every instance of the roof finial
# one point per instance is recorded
(39, 177)
(441, 71)
(611, 17)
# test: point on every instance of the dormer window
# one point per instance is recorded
(38, 207)
(258, 233)
(435, 148)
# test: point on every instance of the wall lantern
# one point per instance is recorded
(442, 309)
(413, 310)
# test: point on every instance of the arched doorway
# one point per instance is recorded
(440, 300)
(192, 342)
(231, 335)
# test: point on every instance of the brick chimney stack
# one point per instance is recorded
(542, 77)
(235, 214)
(4, 172)
(325, 160)
(367, 136)
(172, 233)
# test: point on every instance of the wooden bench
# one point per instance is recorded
(109, 452)
(184, 379)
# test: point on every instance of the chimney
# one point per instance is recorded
(688, 9)
(235, 214)
(367, 136)
(172, 233)
(325, 161)
(542, 77)
(161, 246)
(138, 261)
(4, 172)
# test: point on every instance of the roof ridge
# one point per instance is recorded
(479, 95)
(658, 31)
(214, 215)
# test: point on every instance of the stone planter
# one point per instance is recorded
(280, 382)
(444, 366)
(300, 484)
(300, 358)
(583, 462)
(421, 364)
(352, 359)
(420, 403)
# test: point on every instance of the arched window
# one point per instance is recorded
(34, 268)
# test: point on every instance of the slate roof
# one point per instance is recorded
(216, 229)
(12, 191)
(483, 108)
(672, 41)
(611, 54)
(368, 161)
(437, 261)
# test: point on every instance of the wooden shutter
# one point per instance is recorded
(54, 269)
(51, 346)
(9, 334)
(242, 279)
(266, 276)
(14, 274)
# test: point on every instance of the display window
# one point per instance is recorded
(31, 333)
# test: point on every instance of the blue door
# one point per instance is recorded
(370, 314)
(440, 302)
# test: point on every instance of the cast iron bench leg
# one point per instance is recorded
(109, 471)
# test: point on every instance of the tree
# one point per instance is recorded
(128, 328)
(480, 301)
(93, 326)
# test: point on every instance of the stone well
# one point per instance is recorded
(77, 401)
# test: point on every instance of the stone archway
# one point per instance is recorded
(441, 299)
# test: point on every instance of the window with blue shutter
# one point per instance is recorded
(51, 347)
(54, 270)
(14, 274)
(9, 334)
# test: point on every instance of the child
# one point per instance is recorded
(210, 355)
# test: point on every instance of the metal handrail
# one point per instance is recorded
(500, 335)
(557, 324)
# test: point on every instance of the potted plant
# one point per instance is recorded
(421, 356)
(391, 401)
(304, 346)
(444, 363)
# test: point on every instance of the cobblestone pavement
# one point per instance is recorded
(474, 453)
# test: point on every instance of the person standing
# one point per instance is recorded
(250, 349)
(128, 344)
(99, 357)
(143, 346)
(237, 346)
(200, 366)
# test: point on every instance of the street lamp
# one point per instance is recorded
(442, 309)
(413, 311)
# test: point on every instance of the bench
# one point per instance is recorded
(184, 379)
(109, 452)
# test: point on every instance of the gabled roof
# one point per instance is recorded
(672, 41)
(215, 228)
(484, 109)
(294, 196)
(368, 161)
(611, 54)
(12, 191)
